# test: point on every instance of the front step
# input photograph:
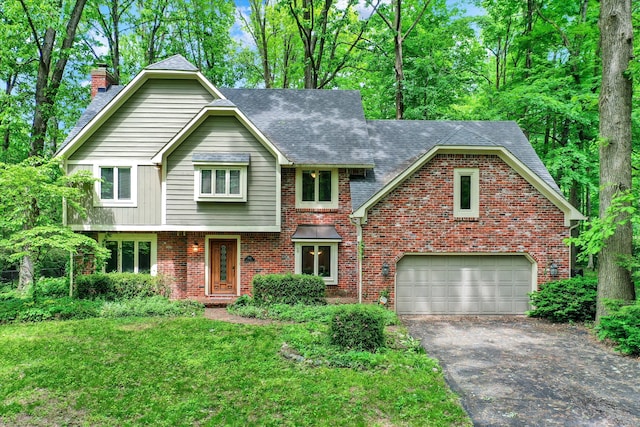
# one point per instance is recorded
(217, 301)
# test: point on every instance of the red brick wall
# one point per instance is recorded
(418, 217)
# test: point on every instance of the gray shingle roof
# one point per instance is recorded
(396, 145)
(175, 62)
(97, 104)
(309, 126)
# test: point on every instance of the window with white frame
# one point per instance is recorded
(116, 185)
(220, 177)
(316, 188)
(318, 259)
(131, 253)
(466, 193)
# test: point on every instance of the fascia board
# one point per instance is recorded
(125, 94)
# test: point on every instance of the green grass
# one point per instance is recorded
(195, 371)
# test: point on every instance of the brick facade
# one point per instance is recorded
(417, 217)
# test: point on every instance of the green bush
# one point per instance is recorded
(52, 287)
(116, 286)
(22, 310)
(357, 327)
(151, 306)
(622, 326)
(242, 301)
(566, 300)
(288, 289)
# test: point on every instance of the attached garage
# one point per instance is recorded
(463, 284)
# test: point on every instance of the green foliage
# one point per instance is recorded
(151, 306)
(53, 287)
(566, 300)
(24, 310)
(301, 313)
(116, 286)
(242, 301)
(288, 289)
(622, 326)
(357, 327)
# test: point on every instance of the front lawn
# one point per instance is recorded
(195, 371)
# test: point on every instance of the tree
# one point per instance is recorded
(46, 20)
(399, 35)
(31, 213)
(616, 47)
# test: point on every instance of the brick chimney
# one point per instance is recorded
(101, 80)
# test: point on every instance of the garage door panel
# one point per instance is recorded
(474, 284)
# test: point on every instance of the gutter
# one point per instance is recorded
(359, 247)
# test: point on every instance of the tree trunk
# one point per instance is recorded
(399, 76)
(616, 43)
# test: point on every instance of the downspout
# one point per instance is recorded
(359, 247)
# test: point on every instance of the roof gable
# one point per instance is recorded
(401, 147)
(106, 103)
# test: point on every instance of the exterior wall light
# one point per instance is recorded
(553, 269)
(196, 247)
(385, 269)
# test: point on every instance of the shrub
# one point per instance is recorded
(357, 327)
(242, 301)
(623, 327)
(115, 286)
(566, 300)
(288, 289)
(66, 308)
(151, 306)
(52, 287)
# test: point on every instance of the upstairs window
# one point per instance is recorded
(466, 193)
(220, 177)
(116, 186)
(317, 188)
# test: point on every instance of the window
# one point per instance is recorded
(466, 193)
(221, 183)
(317, 188)
(220, 177)
(116, 186)
(131, 253)
(318, 259)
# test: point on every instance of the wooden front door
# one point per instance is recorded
(223, 267)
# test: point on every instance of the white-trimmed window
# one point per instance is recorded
(116, 185)
(317, 188)
(318, 259)
(466, 193)
(131, 253)
(220, 177)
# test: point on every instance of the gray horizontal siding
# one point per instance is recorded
(221, 134)
(147, 212)
(146, 121)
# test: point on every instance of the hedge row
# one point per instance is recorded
(116, 286)
(288, 289)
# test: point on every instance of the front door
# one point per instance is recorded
(223, 267)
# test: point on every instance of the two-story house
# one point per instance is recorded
(211, 186)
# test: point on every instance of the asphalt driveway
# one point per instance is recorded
(516, 371)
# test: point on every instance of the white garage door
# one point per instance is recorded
(448, 284)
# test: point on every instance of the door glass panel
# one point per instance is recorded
(127, 257)
(324, 186)
(234, 181)
(308, 186)
(124, 183)
(220, 181)
(324, 261)
(106, 187)
(465, 192)
(144, 257)
(223, 263)
(112, 262)
(205, 181)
